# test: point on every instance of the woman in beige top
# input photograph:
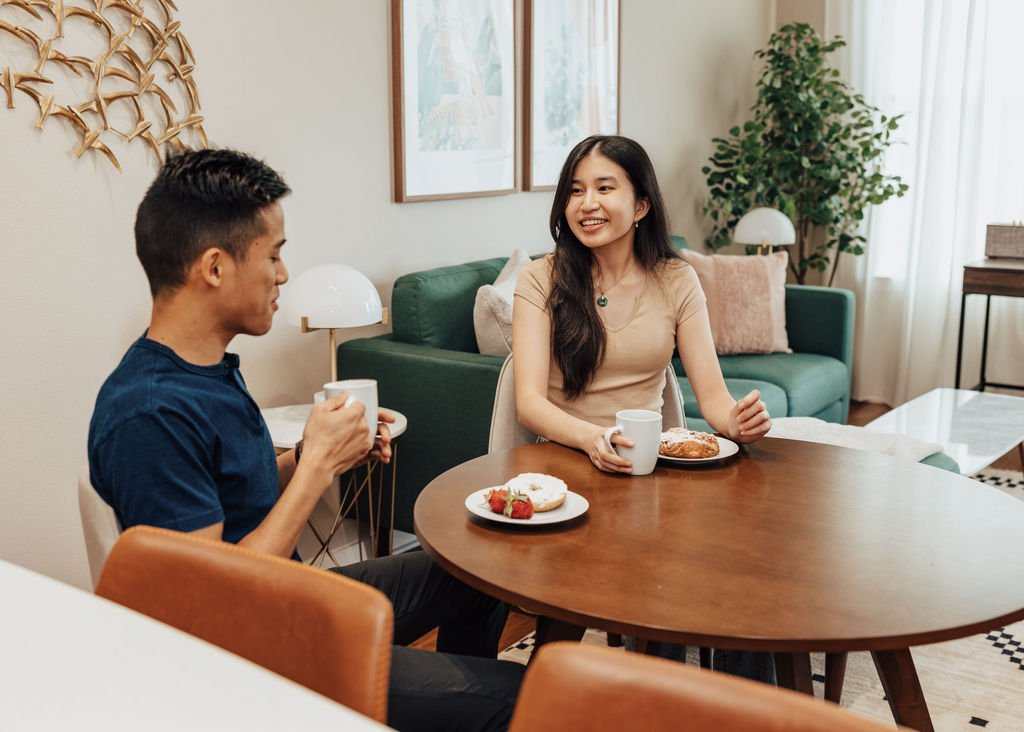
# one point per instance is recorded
(596, 322)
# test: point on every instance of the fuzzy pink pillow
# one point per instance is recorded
(746, 300)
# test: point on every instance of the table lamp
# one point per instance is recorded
(766, 228)
(331, 296)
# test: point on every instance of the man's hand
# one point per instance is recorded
(336, 437)
(382, 444)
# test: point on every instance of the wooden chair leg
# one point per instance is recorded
(835, 674)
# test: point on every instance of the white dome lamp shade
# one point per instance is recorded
(764, 227)
(330, 296)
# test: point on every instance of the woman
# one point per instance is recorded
(596, 323)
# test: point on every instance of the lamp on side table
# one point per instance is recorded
(332, 296)
(328, 297)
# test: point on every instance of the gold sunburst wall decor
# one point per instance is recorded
(114, 70)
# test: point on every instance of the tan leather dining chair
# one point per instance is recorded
(99, 524)
(319, 629)
(506, 432)
(572, 686)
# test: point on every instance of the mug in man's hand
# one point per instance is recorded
(359, 390)
(643, 427)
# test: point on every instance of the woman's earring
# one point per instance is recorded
(636, 224)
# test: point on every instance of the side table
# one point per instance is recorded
(371, 481)
(988, 277)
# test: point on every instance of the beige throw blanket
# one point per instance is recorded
(810, 429)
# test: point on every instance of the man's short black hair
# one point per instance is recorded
(202, 199)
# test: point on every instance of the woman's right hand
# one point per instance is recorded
(603, 457)
(335, 436)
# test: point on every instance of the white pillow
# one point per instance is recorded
(492, 312)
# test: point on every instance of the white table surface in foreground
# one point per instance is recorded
(974, 428)
(72, 661)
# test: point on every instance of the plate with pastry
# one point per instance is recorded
(528, 499)
(680, 445)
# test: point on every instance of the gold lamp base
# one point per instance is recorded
(332, 341)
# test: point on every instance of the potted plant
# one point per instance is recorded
(813, 149)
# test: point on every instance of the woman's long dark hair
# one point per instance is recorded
(577, 334)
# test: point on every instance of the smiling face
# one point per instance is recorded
(251, 291)
(603, 208)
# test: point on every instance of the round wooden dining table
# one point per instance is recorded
(790, 547)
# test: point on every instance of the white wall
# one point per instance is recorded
(303, 84)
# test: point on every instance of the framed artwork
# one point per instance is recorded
(453, 98)
(571, 81)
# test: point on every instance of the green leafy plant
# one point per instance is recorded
(814, 150)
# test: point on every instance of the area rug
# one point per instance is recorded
(970, 683)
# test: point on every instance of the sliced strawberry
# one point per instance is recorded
(496, 498)
(519, 506)
(510, 503)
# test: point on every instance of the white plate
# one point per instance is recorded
(574, 505)
(726, 448)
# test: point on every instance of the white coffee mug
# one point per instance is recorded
(359, 390)
(643, 427)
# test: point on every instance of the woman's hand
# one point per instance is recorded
(749, 419)
(605, 458)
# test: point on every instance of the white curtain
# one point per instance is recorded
(953, 68)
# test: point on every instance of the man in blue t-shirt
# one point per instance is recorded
(176, 440)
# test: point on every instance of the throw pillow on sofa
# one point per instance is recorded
(492, 312)
(746, 300)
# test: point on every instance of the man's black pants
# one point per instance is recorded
(463, 686)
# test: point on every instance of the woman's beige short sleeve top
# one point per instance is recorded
(633, 373)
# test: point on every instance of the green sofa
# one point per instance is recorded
(429, 369)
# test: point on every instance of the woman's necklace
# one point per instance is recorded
(602, 299)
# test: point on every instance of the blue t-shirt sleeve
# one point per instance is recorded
(156, 470)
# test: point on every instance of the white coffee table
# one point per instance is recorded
(974, 428)
(345, 540)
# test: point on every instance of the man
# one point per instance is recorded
(176, 440)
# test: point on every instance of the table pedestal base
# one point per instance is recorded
(835, 674)
(793, 671)
(549, 630)
(903, 689)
